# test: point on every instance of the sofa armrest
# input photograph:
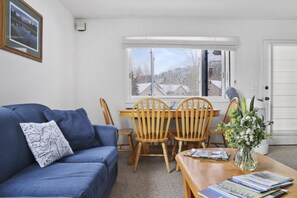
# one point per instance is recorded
(106, 134)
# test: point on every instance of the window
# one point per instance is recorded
(163, 71)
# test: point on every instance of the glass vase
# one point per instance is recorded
(244, 159)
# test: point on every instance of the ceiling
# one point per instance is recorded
(226, 9)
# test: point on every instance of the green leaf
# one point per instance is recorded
(252, 104)
(243, 106)
(233, 113)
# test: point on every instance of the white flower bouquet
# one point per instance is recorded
(245, 131)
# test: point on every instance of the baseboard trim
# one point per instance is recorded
(283, 140)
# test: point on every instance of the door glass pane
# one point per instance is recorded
(176, 72)
(214, 73)
(140, 72)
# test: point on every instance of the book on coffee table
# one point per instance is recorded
(230, 189)
(209, 193)
(268, 178)
(255, 185)
(209, 154)
(264, 180)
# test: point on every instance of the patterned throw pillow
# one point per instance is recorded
(46, 142)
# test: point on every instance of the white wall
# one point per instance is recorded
(23, 80)
(100, 56)
(80, 67)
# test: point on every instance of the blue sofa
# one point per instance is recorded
(88, 173)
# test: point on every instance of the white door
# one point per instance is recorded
(280, 90)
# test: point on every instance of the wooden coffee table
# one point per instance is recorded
(198, 174)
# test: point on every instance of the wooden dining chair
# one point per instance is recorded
(151, 120)
(123, 132)
(193, 122)
(232, 105)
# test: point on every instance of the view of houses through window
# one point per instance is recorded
(176, 72)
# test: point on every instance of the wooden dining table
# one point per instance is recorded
(127, 113)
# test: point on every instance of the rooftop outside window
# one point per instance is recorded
(171, 72)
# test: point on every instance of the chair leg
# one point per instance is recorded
(208, 141)
(180, 145)
(139, 146)
(165, 152)
(131, 146)
(225, 143)
(173, 150)
(135, 151)
(203, 144)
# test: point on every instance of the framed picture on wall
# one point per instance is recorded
(21, 29)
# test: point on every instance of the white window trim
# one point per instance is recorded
(220, 43)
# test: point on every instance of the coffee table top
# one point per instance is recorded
(201, 173)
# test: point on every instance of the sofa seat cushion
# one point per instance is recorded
(107, 155)
(57, 180)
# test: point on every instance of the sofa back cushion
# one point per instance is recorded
(76, 127)
(29, 112)
(15, 154)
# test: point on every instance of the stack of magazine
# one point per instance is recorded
(209, 154)
(255, 185)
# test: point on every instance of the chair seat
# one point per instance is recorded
(214, 131)
(189, 139)
(126, 132)
(165, 139)
(174, 134)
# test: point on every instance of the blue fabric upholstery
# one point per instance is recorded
(92, 175)
(59, 179)
(15, 154)
(108, 185)
(107, 155)
(107, 134)
(29, 112)
(76, 127)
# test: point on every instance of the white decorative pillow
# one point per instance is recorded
(46, 142)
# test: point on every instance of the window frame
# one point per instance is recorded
(227, 75)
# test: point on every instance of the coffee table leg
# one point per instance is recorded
(187, 190)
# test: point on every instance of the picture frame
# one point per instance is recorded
(21, 29)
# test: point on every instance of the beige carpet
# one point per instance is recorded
(284, 154)
(152, 180)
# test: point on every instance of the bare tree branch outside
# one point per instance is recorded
(176, 72)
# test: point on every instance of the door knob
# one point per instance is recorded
(267, 98)
(266, 87)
